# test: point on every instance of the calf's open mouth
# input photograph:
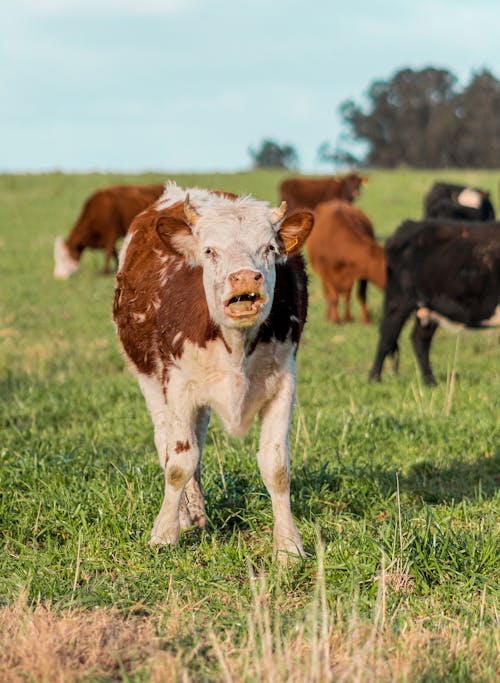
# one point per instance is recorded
(244, 304)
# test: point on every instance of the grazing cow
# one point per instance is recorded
(341, 250)
(446, 271)
(446, 200)
(307, 193)
(104, 218)
(209, 306)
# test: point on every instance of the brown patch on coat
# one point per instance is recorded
(307, 193)
(176, 477)
(281, 480)
(182, 446)
(155, 280)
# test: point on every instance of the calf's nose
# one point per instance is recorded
(244, 278)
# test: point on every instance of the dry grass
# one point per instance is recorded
(41, 644)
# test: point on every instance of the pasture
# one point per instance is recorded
(394, 487)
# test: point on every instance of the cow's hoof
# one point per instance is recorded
(374, 377)
(430, 381)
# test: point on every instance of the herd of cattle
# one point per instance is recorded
(444, 268)
(211, 299)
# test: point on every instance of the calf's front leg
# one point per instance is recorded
(181, 460)
(274, 464)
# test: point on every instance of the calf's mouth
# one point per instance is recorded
(243, 304)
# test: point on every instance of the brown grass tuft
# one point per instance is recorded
(43, 645)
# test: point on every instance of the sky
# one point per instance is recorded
(190, 85)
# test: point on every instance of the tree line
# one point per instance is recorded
(418, 118)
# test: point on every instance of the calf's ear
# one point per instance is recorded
(175, 229)
(294, 231)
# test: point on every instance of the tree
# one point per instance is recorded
(273, 155)
(421, 118)
(338, 156)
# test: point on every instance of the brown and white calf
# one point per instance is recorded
(210, 302)
(104, 218)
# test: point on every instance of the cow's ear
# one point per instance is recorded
(175, 228)
(177, 236)
(294, 231)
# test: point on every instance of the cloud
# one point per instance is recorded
(102, 7)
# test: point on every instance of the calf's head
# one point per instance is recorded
(237, 243)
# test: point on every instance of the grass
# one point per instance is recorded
(394, 488)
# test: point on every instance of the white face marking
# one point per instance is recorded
(231, 236)
(238, 237)
(470, 198)
(65, 265)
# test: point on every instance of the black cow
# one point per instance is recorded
(446, 271)
(445, 200)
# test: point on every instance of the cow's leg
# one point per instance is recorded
(365, 316)
(347, 305)
(332, 299)
(390, 328)
(109, 252)
(166, 444)
(421, 338)
(192, 508)
(274, 463)
(181, 462)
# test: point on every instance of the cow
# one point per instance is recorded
(209, 306)
(447, 200)
(448, 272)
(104, 218)
(307, 193)
(341, 250)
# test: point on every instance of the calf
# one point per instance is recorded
(341, 250)
(307, 193)
(209, 306)
(104, 218)
(446, 200)
(447, 272)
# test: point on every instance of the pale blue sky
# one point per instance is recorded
(187, 85)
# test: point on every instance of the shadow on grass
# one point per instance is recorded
(365, 490)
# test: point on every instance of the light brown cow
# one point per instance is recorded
(307, 193)
(342, 249)
(104, 218)
(210, 302)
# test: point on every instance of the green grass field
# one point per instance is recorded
(394, 488)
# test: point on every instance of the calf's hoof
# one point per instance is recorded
(164, 536)
(288, 548)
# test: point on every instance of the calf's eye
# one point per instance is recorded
(270, 248)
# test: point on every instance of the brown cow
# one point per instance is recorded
(342, 249)
(210, 302)
(104, 218)
(307, 193)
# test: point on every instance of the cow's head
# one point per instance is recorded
(64, 263)
(237, 242)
